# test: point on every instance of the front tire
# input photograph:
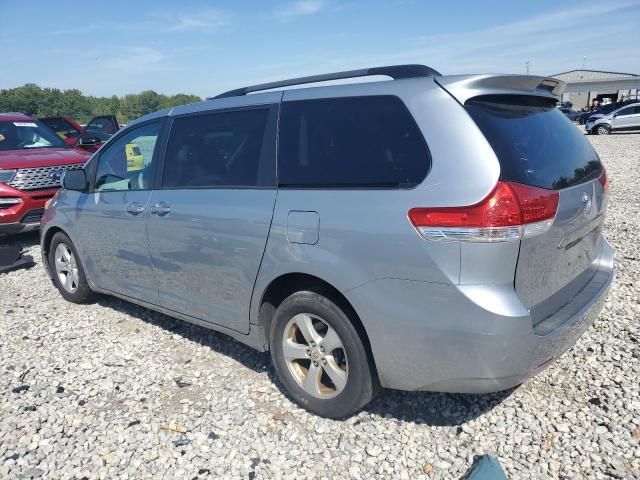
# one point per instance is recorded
(319, 356)
(67, 271)
(602, 130)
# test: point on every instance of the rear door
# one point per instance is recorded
(536, 145)
(210, 219)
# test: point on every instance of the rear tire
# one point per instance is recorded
(319, 356)
(67, 271)
(602, 130)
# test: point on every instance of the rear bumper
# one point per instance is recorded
(469, 339)
(24, 216)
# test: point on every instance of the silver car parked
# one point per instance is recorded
(624, 118)
(426, 232)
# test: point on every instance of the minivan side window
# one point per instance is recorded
(126, 164)
(220, 149)
(352, 142)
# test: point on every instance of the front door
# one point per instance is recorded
(209, 220)
(628, 117)
(114, 216)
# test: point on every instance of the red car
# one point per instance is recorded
(98, 130)
(32, 160)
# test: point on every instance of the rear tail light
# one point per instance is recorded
(604, 181)
(512, 211)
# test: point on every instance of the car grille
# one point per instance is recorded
(40, 177)
(33, 216)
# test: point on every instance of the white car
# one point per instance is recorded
(624, 118)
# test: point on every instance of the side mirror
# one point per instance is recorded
(75, 180)
(87, 140)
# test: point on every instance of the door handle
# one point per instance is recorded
(134, 208)
(160, 209)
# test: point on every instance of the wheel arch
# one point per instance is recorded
(284, 285)
(46, 243)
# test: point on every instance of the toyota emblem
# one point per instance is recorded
(586, 201)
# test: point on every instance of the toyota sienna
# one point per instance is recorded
(423, 232)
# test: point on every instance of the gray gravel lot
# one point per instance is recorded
(112, 390)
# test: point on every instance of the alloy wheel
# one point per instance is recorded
(315, 356)
(66, 268)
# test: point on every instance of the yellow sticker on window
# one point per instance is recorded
(135, 159)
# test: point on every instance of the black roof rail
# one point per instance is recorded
(394, 71)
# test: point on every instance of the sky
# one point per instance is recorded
(207, 47)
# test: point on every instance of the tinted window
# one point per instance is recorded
(102, 127)
(611, 107)
(534, 142)
(126, 164)
(217, 149)
(63, 128)
(350, 142)
(628, 111)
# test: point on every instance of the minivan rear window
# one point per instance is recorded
(353, 142)
(534, 142)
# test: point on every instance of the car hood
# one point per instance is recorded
(595, 116)
(41, 157)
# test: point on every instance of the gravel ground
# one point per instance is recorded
(112, 390)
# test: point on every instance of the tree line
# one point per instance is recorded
(31, 99)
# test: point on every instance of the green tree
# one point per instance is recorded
(34, 100)
(26, 99)
(148, 102)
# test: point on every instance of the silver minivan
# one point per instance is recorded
(423, 232)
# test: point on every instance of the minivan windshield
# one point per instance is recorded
(535, 143)
(24, 134)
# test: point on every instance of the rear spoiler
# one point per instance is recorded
(464, 87)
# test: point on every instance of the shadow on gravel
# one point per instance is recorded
(13, 255)
(436, 409)
(221, 343)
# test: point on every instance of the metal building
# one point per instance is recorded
(585, 86)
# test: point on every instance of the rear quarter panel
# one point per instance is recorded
(364, 234)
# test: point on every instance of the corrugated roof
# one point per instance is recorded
(594, 71)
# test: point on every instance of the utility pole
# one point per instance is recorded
(527, 64)
(584, 62)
